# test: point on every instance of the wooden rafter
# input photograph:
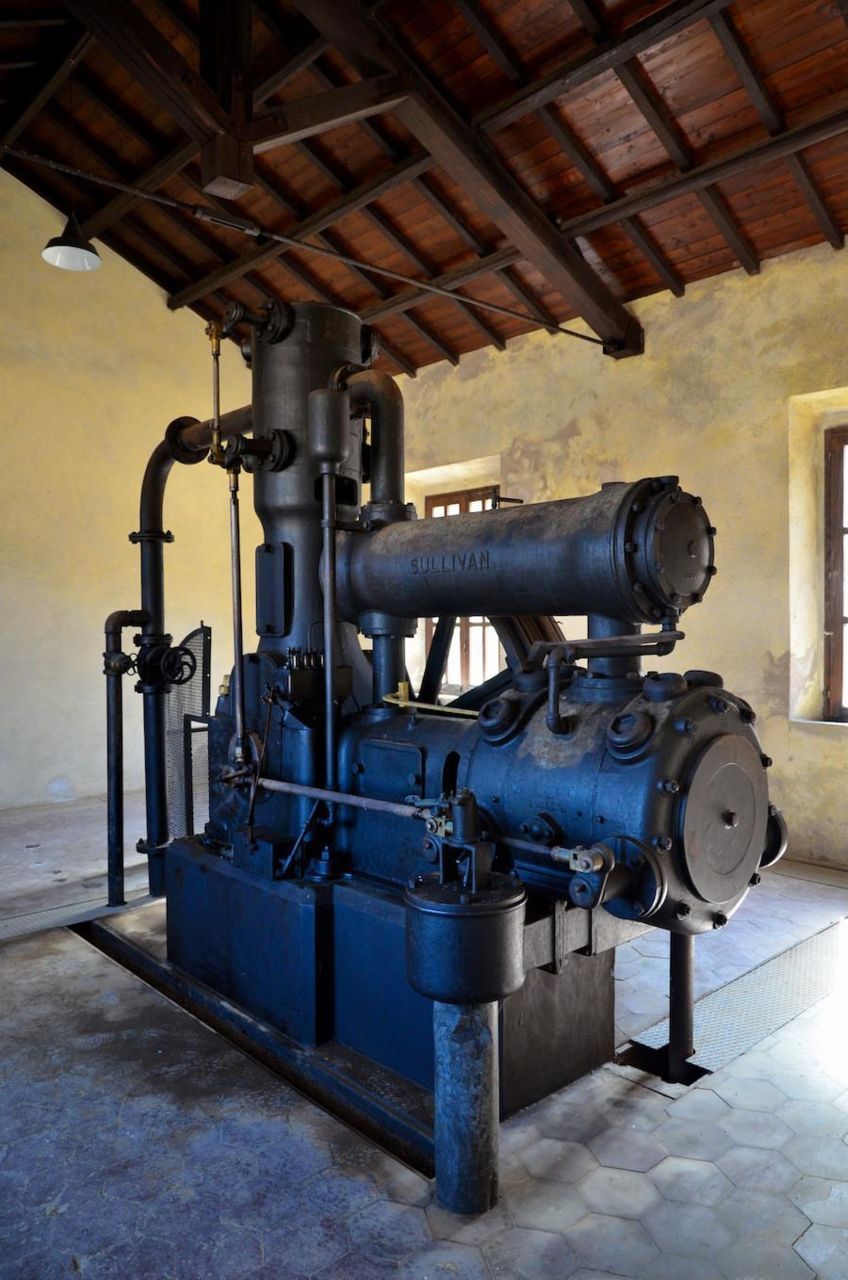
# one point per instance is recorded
(566, 139)
(789, 142)
(573, 73)
(64, 61)
(645, 97)
(774, 121)
(315, 222)
(459, 149)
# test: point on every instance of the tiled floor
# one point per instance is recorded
(134, 1143)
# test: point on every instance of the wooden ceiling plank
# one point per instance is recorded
(574, 72)
(648, 247)
(652, 107)
(142, 48)
(63, 64)
(828, 225)
(743, 250)
(766, 151)
(458, 149)
(772, 117)
(325, 111)
(14, 21)
(648, 101)
(565, 138)
(309, 226)
(453, 279)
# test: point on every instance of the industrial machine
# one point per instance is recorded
(414, 907)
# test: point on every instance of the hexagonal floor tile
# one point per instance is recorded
(619, 1192)
(691, 1226)
(824, 1118)
(699, 1105)
(693, 1139)
(529, 1255)
(825, 1249)
(545, 1206)
(389, 1230)
(690, 1181)
(822, 1201)
(756, 1260)
(611, 1244)
(627, 1149)
(763, 1214)
(557, 1160)
(818, 1156)
(757, 1169)
(445, 1258)
(748, 1093)
(755, 1129)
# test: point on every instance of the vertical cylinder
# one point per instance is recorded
(328, 496)
(601, 628)
(115, 788)
(466, 1106)
(681, 1028)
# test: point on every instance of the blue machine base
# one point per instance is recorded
(326, 963)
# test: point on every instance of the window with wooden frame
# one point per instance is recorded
(835, 566)
(475, 653)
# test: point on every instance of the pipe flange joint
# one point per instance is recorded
(375, 623)
(180, 452)
(151, 535)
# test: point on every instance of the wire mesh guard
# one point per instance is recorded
(186, 745)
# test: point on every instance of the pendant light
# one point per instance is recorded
(71, 251)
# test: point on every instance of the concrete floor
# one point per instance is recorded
(135, 1143)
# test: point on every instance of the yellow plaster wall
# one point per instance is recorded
(92, 368)
(711, 401)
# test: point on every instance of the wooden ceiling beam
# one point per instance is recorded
(575, 72)
(285, 68)
(766, 151)
(62, 64)
(310, 226)
(772, 117)
(323, 111)
(141, 48)
(459, 149)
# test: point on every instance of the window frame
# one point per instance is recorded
(463, 499)
(835, 604)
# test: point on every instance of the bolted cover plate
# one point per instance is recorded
(724, 819)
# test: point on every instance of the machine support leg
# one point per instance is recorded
(466, 1106)
(681, 1043)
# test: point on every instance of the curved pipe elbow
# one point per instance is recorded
(380, 394)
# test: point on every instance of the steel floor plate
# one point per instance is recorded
(734, 1018)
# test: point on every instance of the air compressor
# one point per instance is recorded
(421, 900)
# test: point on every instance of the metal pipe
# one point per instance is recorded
(328, 525)
(238, 624)
(466, 1106)
(114, 670)
(380, 395)
(681, 1012)
(602, 627)
(191, 438)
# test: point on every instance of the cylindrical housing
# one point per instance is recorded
(464, 948)
(466, 1106)
(637, 552)
(286, 368)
